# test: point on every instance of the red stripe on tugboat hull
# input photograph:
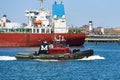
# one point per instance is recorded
(34, 40)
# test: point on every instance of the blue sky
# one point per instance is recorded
(105, 13)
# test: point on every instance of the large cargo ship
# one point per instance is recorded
(43, 25)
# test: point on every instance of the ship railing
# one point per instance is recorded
(25, 30)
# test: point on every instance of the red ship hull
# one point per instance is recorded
(34, 40)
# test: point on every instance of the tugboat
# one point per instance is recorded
(58, 50)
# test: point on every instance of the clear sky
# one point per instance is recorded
(105, 13)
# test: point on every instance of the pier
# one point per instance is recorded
(102, 38)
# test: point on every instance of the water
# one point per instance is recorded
(104, 65)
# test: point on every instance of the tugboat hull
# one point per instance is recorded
(66, 56)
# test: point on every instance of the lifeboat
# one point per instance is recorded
(37, 22)
(56, 51)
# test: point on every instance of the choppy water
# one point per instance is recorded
(104, 65)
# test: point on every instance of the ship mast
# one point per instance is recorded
(41, 4)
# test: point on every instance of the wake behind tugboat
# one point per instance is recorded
(7, 58)
(56, 51)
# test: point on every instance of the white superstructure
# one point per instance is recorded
(7, 25)
(45, 21)
(60, 24)
(39, 21)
